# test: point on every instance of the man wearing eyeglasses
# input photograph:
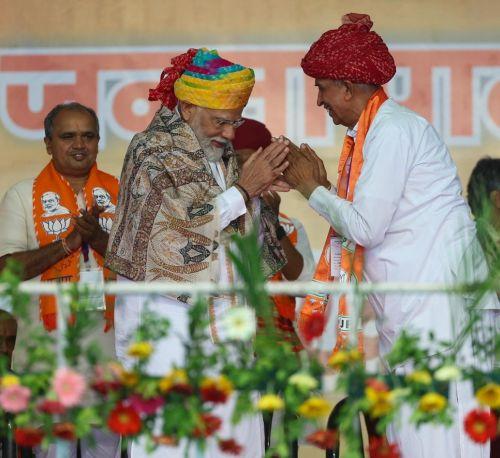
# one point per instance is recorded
(183, 198)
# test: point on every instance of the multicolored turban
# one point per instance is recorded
(203, 78)
(251, 134)
(351, 53)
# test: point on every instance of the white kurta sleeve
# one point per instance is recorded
(13, 224)
(231, 205)
(378, 190)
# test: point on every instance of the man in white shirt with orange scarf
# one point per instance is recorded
(52, 226)
(396, 215)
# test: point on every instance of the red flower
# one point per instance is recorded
(124, 420)
(146, 406)
(182, 388)
(480, 425)
(323, 438)
(51, 407)
(210, 424)
(312, 326)
(216, 389)
(230, 446)
(380, 448)
(64, 431)
(103, 387)
(28, 437)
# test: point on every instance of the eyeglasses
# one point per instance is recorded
(221, 122)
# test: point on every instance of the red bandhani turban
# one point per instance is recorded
(251, 134)
(205, 79)
(351, 53)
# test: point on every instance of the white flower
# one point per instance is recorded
(447, 373)
(239, 323)
(303, 381)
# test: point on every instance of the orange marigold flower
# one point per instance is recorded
(64, 431)
(216, 389)
(169, 441)
(323, 438)
(380, 448)
(432, 403)
(480, 425)
(489, 395)
(377, 385)
(175, 381)
(209, 425)
(314, 407)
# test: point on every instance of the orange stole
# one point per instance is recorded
(351, 255)
(54, 205)
(285, 304)
(284, 313)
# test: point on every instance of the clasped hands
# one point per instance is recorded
(282, 166)
(86, 229)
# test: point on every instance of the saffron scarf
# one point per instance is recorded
(54, 206)
(341, 259)
(286, 304)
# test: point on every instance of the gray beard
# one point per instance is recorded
(213, 154)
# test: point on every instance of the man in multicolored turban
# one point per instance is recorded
(396, 215)
(183, 198)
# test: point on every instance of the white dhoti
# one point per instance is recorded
(432, 440)
(170, 352)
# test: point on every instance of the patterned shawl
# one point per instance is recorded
(166, 224)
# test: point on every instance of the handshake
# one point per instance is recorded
(280, 167)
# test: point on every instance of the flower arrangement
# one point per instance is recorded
(46, 402)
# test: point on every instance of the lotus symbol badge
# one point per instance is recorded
(56, 226)
(105, 223)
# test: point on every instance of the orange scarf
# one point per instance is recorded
(347, 262)
(286, 304)
(54, 205)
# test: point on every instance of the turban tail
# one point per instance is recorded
(351, 53)
(203, 78)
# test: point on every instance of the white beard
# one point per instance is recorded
(213, 154)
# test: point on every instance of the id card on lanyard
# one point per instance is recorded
(335, 256)
(336, 240)
(93, 279)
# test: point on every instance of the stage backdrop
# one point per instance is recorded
(107, 54)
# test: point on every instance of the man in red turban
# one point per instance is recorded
(351, 52)
(396, 215)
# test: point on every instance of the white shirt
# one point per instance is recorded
(409, 215)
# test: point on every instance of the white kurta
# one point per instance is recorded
(169, 352)
(409, 214)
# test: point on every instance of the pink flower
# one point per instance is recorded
(14, 398)
(146, 406)
(69, 386)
